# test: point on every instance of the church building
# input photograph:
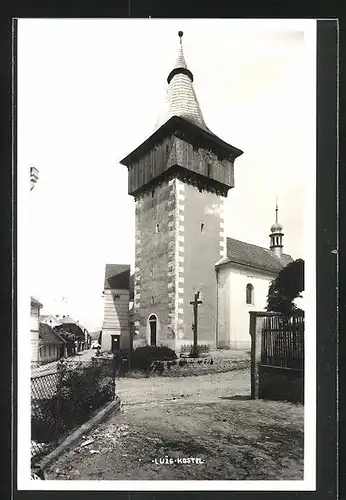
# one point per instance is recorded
(179, 178)
(243, 279)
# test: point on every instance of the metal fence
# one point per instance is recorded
(283, 341)
(187, 349)
(66, 398)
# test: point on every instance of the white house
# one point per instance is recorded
(50, 320)
(51, 345)
(34, 328)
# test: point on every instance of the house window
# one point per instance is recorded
(249, 294)
(209, 169)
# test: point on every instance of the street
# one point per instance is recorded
(208, 419)
(51, 367)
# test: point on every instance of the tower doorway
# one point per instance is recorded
(153, 329)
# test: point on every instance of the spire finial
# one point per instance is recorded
(180, 34)
(276, 210)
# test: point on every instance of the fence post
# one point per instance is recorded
(256, 323)
(57, 416)
(114, 376)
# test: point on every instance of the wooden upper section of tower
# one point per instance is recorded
(182, 145)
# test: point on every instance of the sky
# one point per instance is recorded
(89, 92)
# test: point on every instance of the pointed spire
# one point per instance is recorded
(276, 228)
(181, 99)
(180, 64)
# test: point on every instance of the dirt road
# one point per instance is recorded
(208, 418)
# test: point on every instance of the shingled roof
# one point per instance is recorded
(48, 335)
(68, 320)
(117, 277)
(246, 254)
(181, 99)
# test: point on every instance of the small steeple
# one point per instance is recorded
(276, 234)
(181, 99)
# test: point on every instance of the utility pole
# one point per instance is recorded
(195, 303)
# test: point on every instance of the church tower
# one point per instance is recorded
(179, 178)
(276, 234)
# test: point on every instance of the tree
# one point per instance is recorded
(68, 336)
(72, 328)
(286, 287)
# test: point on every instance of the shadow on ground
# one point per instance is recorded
(236, 398)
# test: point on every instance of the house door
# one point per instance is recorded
(115, 346)
(153, 327)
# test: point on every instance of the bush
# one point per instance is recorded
(78, 393)
(143, 357)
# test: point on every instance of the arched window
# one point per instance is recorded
(249, 294)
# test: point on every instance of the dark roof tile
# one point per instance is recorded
(132, 287)
(117, 277)
(246, 254)
(47, 334)
(36, 302)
